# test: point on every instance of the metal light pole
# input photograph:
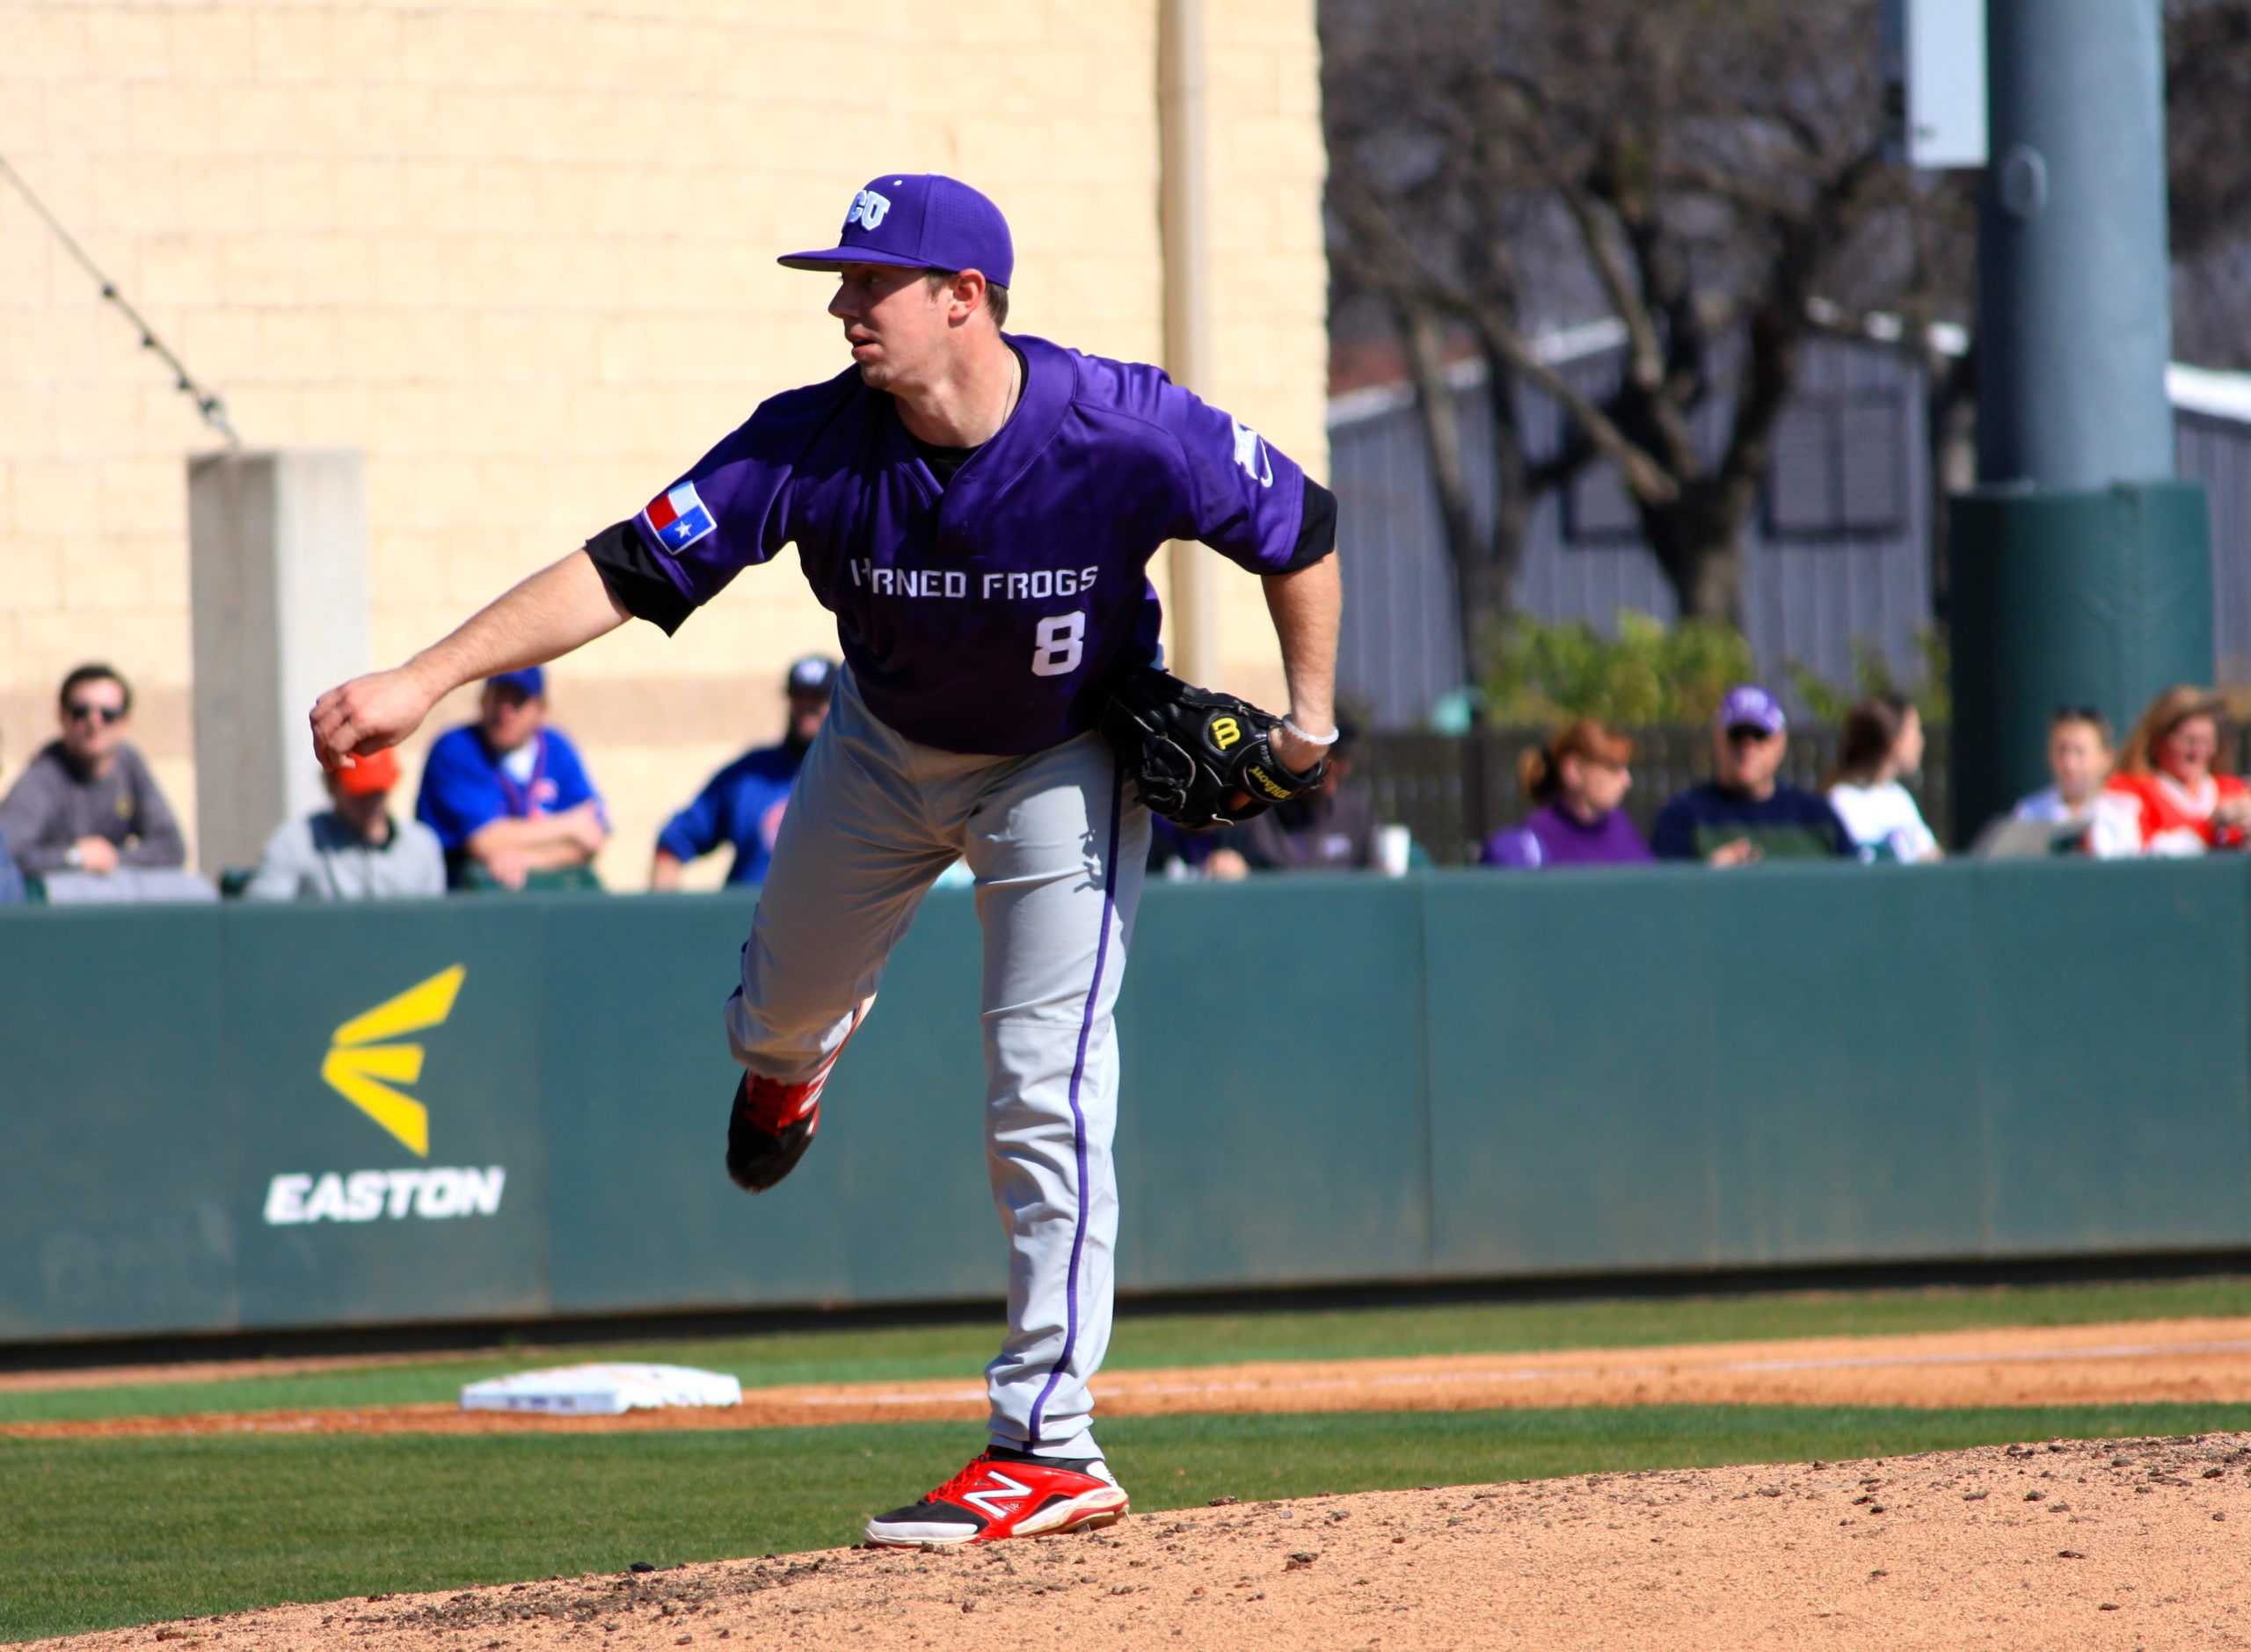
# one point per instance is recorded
(2082, 572)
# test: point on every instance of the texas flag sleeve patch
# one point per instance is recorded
(678, 518)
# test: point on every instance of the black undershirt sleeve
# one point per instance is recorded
(629, 569)
(1317, 527)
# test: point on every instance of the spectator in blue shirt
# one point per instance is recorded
(1744, 813)
(507, 795)
(742, 804)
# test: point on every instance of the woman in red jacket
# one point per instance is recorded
(2185, 805)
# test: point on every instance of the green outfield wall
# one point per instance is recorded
(250, 1117)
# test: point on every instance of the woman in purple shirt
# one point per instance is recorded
(1578, 779)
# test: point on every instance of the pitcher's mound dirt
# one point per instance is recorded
(2123, 1543)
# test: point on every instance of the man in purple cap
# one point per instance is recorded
(507, 795)
(978, 509)
(1743, 812)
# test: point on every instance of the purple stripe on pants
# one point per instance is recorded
(1078, 1119)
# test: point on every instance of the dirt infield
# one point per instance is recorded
(2063, 1545)
(230, 1370)
(2195, 1360)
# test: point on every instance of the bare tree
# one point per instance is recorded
(1713, 166)
(1710, 173)
(1429, 201)
(2207, 165)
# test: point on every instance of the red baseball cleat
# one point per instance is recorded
(773, 1123)
(1005, 1494)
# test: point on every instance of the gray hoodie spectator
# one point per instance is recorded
(88, 802)
(355, 850)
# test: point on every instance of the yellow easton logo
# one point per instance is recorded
(360, 1061)
(1226, 731)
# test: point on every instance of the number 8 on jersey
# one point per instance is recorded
(1062, 640)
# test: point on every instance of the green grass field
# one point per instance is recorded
(100, 1533)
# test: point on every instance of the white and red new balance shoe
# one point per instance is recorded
(1006, 1494)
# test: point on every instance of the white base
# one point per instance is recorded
(602, 1390)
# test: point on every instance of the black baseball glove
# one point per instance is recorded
(1198, 758)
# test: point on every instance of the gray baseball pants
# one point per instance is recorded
(1057, 852)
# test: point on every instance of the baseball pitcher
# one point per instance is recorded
(978, 509)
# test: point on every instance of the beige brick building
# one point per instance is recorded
(520, 254)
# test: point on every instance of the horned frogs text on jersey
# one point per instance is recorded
(984, 615)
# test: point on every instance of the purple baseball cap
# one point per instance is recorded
(1747, 705)
(924, 220)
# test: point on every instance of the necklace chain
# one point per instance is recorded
(1015, 387)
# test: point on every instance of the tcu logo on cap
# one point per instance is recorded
(868, 209)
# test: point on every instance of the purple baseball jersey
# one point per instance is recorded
(983, 613)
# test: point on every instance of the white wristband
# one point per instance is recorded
(1328, 739)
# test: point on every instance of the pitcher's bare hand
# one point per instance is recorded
(368, 714)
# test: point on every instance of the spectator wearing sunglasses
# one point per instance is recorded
(87, 802)
(1744, 813)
